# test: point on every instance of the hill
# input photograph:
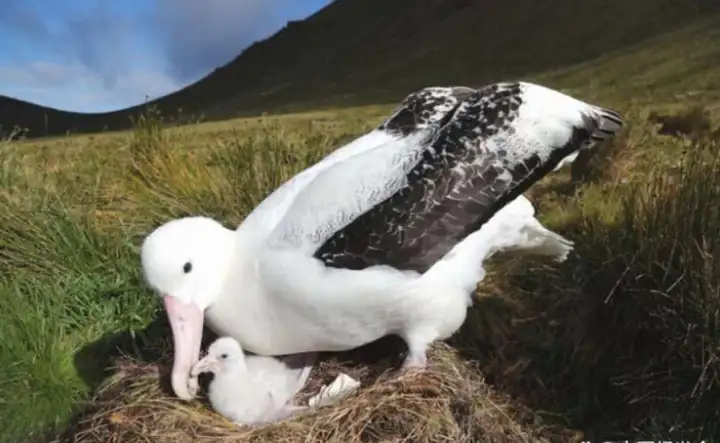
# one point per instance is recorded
(368, 51)
(616, 344)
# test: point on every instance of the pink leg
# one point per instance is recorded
(415, 361)
(417, 346)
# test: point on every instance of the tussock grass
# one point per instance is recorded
(619, 342)
(71, 220)
(226, 180)
(694, 122)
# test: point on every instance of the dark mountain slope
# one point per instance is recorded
(359, 51)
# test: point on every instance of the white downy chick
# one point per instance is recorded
(252, 390)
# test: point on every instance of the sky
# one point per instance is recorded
(103, 55)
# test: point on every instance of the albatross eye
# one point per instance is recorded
(187, 267)
(223, 356)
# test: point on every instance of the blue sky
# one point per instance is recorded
(102, 55)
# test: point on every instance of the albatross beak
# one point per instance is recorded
(186, 322)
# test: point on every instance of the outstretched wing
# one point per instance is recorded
(418, 111)
(328, 195)
(496, 144)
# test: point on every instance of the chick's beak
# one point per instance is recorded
(208, 364)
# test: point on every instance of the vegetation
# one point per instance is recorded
(622, 340)
(73, 212)
(619, 342)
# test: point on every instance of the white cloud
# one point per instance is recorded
(78, 88)
(99, 55)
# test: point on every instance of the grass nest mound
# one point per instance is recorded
(448, 402)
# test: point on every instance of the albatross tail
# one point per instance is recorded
(513, 228)
(526, 234)
(542, 241)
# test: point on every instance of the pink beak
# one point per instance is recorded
(186, 322)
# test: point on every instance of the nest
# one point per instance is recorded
(448, 402)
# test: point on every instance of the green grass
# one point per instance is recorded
(621, 342)
(64, 285)
(621, 339)
(70, 225)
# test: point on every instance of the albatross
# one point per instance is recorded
(385, 236)
(254, 389)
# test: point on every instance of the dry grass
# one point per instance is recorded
(623, 340)
(619, 342)
(450, 402)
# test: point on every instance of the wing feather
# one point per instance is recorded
(497, 143)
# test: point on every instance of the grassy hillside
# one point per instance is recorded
(618, 343)
(369, 51)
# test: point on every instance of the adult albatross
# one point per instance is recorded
(385, 236)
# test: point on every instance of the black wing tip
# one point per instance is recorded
(607, 124)
(610, 115)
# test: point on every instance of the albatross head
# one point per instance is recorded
(186, 261)
(224, 354)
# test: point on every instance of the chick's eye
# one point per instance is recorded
(223, 356)
(187, 267)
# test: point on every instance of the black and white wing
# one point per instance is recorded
(418, 111)
(496, 143)
(425, 108)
